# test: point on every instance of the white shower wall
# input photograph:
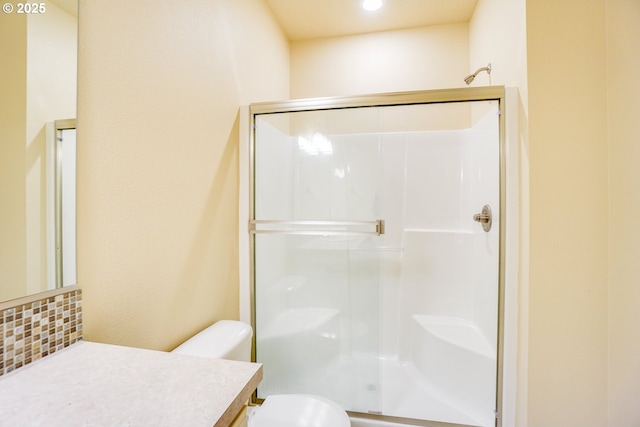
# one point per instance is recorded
(433, 261)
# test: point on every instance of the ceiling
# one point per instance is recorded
(309, 19)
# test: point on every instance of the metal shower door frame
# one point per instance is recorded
(439, 96)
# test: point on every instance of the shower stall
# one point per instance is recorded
(376, 261)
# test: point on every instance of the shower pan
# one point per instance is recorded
(376, 229)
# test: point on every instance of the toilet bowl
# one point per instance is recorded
(231, 339)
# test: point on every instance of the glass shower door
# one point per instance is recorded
(376, 246)
(316, 291)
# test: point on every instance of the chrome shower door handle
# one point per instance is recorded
(317, 228)
(484, 218)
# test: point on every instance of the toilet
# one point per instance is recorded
(231, 339)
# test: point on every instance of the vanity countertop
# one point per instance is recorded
(95, 385)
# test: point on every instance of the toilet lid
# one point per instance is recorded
(299, 410)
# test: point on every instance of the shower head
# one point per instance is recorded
(471, 77)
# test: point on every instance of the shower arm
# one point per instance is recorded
(471, 77)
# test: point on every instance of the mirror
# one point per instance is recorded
(38, 86)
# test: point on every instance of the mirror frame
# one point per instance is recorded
(59, 125)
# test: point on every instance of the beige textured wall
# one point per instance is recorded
(623, 63)
(568, 213)
(160, 84)
(497, 35)
(393, 61)
(13, 110)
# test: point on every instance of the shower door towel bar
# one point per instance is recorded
(317, 228)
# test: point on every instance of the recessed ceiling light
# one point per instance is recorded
(371, 4)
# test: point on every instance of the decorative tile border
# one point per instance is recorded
(32, 330)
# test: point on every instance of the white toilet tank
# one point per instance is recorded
(225, 339)
(231, 339)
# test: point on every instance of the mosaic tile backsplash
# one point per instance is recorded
(33, 330)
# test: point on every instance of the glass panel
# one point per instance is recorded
(403, 324)
(317, 322)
